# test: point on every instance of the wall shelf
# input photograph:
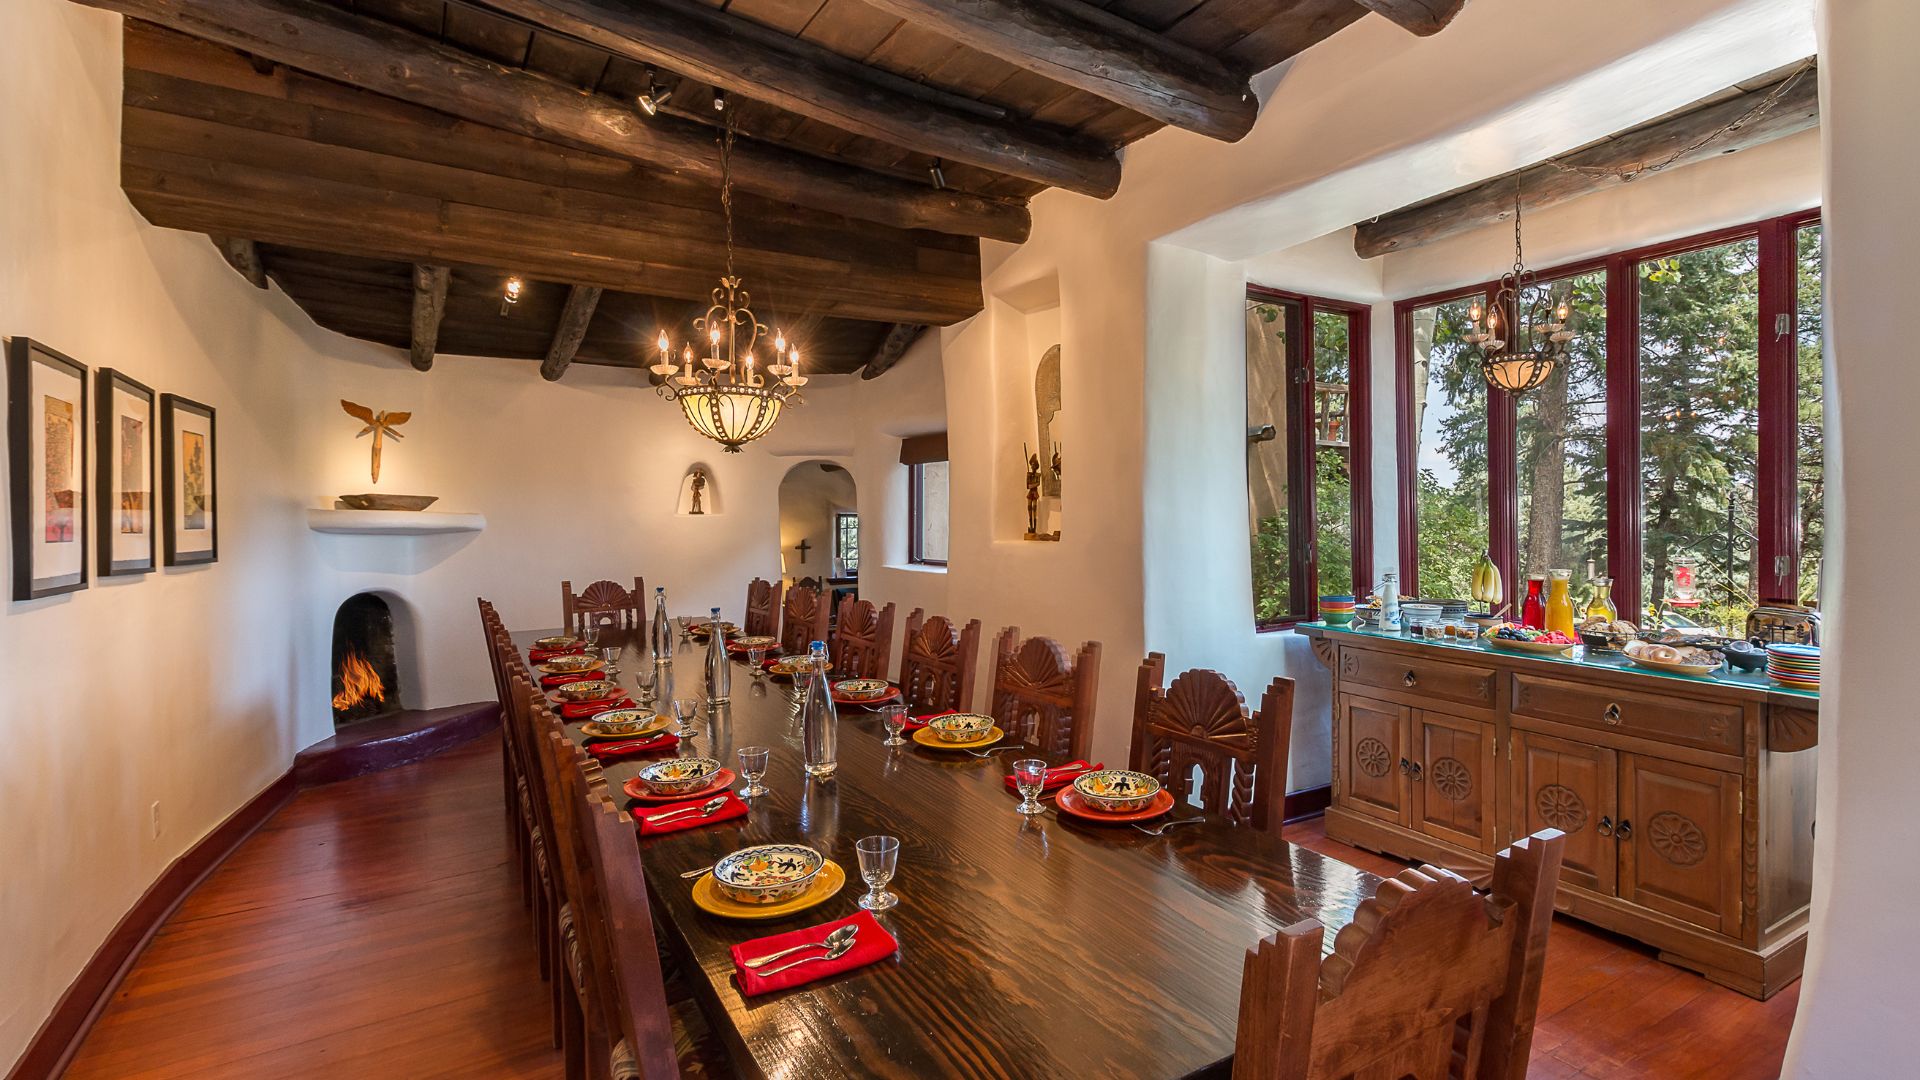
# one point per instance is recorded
(392, 522)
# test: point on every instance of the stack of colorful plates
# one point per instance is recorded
(1794, 666)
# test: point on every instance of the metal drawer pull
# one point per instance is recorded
(1605, 828)
(1406, 766)
(1416, 771)
(1624, 830)
(1612, 714)
(1409, 678)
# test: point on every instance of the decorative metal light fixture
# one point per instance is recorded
(1537, 336)
(722, 394)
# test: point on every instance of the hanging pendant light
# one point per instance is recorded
(722, 394)
(1536, 338)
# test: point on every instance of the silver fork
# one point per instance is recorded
(995, 750)
(1164, 826)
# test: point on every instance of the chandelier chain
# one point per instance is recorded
(726, 180)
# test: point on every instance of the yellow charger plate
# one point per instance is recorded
(925, 737)
(708, 899)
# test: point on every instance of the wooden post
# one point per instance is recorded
(244, 257)
(429, 307)
(581, 300)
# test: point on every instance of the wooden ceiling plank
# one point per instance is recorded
(1080, 45)
(1595, 168)
(571, 331)
(429, 306)
(386, 59)
(745, 58)
(244, 256)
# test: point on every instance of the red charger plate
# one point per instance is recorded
(887, 698)
(721, 781)
(1070, 802)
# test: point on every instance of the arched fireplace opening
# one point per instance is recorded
(366, 674)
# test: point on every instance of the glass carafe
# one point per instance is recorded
(719, 671)
(1533, 610)
(1560, 601)
(819, 722)
(1601, 606)
(662, 629)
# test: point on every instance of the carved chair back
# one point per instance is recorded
(636, 998)
(763, 609)
(1430, 980)
(938, 664)
(1042, 698)
(606, 605)
(862, 639)
(1201, 724)
(589, 961)
(803, 619)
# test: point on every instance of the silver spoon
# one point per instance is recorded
(704, 809)
(702, 872)
(1158, 829)
(832, 954)
(833, 941)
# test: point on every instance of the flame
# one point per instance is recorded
(358, 682)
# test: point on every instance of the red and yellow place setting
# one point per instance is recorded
(1119, 796)
(675, 779)
(626, 724)
(959, 731)
(768, 881)
(864, 693)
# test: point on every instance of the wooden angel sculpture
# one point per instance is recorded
(379, 424)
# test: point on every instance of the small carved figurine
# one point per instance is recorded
(379, 424)
(1033, 494)
(1056, 465)
(699, 491)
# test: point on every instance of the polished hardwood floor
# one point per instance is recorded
(373, 928)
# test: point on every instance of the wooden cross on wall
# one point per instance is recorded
(803, 547)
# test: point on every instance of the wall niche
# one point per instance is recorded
(699, 492)
(1029, 405)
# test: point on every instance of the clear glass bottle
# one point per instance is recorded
(719, 670)
(819, 722)
(662, 629)
(1560, 601)
(1602, 606)
(1390, 602)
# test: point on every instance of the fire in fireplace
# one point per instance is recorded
(366, 678)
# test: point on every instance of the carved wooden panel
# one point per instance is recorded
(762, 617)
(1569, 786)
(1680, 841)
(1791, 728)
(1452, 765)
(604, 604)
(937, 663)
(803, 619)
(1198, 739)
(1042, 698)
(1369, 745)
(862, 640)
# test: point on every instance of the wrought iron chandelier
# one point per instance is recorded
(1537, 334)
(722, 394)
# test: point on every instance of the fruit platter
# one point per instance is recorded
(1510, 637)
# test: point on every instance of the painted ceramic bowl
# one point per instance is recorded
(793, 664)
(571, 665)
(1117, 791)
(632, 722)
(550, 643)
(587, 690)
(960, 727)
(703, 627)
(767, 874)
(756, 641)
(859, 689)
(679, 775)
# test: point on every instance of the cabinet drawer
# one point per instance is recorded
(1418, 675)
(1708, 725)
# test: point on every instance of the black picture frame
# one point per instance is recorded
(106, 451)
(171, 406)
(29, 582)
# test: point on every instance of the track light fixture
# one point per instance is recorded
(655, 97)
(719, 101)
(511, 295)
(939, 178)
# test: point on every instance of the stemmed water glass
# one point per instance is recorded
(686, 710)
(611, 654)
(894, 716)
(878, 857)
(1030, 776)
(757, 655)
(644, 678)
(753, 766)
(590, 635)
(686, 627)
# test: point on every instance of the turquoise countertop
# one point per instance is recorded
(1756, 681)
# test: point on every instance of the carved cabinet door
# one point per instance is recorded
(1679, 834)
(1569, 786)
(1451, 765)
(1371, 745)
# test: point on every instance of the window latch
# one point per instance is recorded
(1782, 325)
(1262, 433)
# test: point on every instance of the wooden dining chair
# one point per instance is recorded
(510, 773)
(1043, 699)
(606, 605)
(1430, 980)
(803, 619)
(938, 664)
(763, 609)
(548, 888)
(1201, 723)
(862, 640)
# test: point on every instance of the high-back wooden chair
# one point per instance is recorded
(938, 663)
(763, 609)
(803, 619)
(1042, 698)
(606, 605)
(862, 639)
(1430, 980)
(1201, 722)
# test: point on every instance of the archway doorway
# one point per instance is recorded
(820, 528)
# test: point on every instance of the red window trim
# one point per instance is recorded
(1778, 479)
(1305, 602)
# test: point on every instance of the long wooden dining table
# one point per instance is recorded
(1029, 946)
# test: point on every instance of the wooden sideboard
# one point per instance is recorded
(1687, 804)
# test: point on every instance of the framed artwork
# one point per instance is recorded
(189, 484)
(47, 444)
(123, 457)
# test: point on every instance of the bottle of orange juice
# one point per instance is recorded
(1560, 601)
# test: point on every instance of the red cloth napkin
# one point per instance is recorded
(548, 682)
(871, 944)
(541, 656)
(915, 723)
(608, 751)
(587, 710)
(1058, 776)
(734, 808)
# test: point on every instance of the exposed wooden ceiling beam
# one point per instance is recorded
(1423, 17)
(327, 41)
(1075, 43)
(900, 337)
(753, 61)
(244, 257)
(429, 307)
(1598, 167)
(581, 300)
